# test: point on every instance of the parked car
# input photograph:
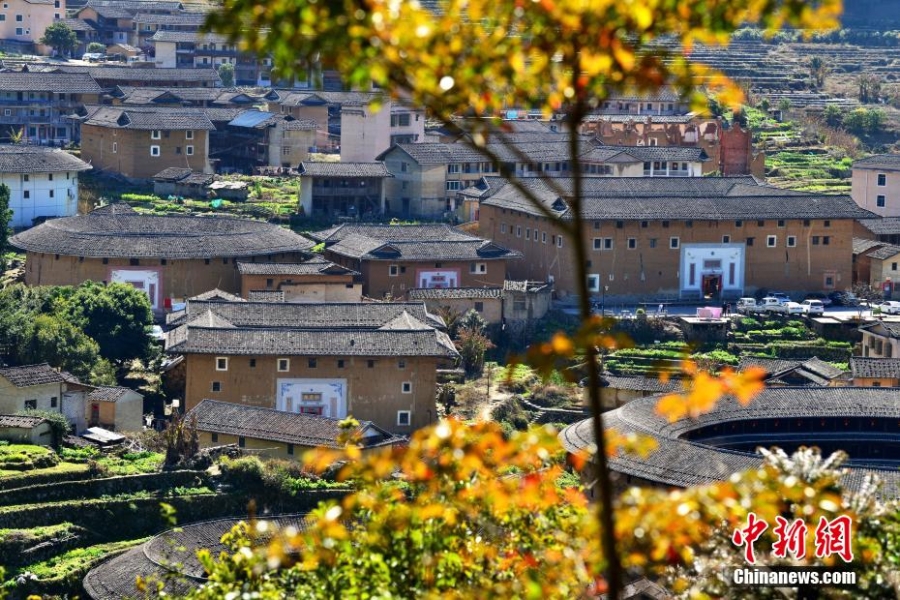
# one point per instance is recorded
(769, 304)
(781, 296)
(746, 306)
(789, 308)
(812, 307)
(92, 56)
(824, 299)
(888, 307)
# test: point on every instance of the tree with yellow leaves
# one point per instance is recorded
(477, 57)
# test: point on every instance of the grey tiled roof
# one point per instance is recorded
(70, 83)
(279, 426)
(641, 118)
(344, 169)
(108, 394)
(879, 161)
(266, 296)
(875, 367)
(173, 173)
(642, 384)
(883, 328)
(414, 242)
(861, 245)
(320, 329)
(317, 342)
(19, 158)
(320, 315)
(314, 266)
(113, 231)
(79, 25)
(628, 154)
(28, 375)
(885, 226)
(814, 368)
(191, 19)
(886, 251)
(20, 422)
(675, 198)
(190, 37)
(454, 293)
(157, 118)
(681, 462)
(157, 76)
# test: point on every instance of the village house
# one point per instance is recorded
(349, 123)
(109, 76)
(430, 179)
(23, 24)
(515, 303)
(115, 408)
(375, 361)
(875, 184)
(342, 189)
(115, 19)
(875, 372)
(617, 390)
(35, 387)
(314, 280)
(35, 105)
(709, 237)
(142, 142)
(187, 49)
(42, 181)
(881, 340)
(255, 138)
(181, 97)
(168, 257)
(396, 259)
(85, 33)
(146, 24)
(876, 264)
(277, 433)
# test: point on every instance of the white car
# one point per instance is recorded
(746, 305)
(812, 307)
(791, 308)
(888, 307)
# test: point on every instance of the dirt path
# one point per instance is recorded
(495, 395)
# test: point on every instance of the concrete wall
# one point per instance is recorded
(877, 346)
(40, 435)
(491, 308)
(365, 133)
(127, 151)
(165, 55)
(646, 270)
(35, 17)
(49, 195)
(12, 398)
(373, 394)
(865, 190)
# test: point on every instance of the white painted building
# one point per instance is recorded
(711, 269)
(42, 181)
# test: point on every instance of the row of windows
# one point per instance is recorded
(674, 242)
(406, 387)
(158, 134)
(156, 151)
(556, 240)
(284, 364)
(32, 404)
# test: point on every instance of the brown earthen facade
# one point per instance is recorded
(395, 393)
(630, 258)
(141, 154)
(178, 278)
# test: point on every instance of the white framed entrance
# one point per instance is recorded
(712, 270)
(325, 397)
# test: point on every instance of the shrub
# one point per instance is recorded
(511, 411)
(242, 472)
(78, 455)
(553, 395)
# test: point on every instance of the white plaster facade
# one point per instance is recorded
(34, 195)
(712, 269)
(325, 397)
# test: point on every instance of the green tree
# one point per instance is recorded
(477, 57)
(51, 339)
(117, 316)
(226, 74)
(60, 37)
(833, 116)
(869, 88)
(5, 220)
(472, 343)
(96, 48)
(818, 70)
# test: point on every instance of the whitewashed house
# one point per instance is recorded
(43, 182)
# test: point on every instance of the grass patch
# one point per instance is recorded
(15, 478)
(26, 457)
(134, 463)
(76, 562)
(36, 534)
